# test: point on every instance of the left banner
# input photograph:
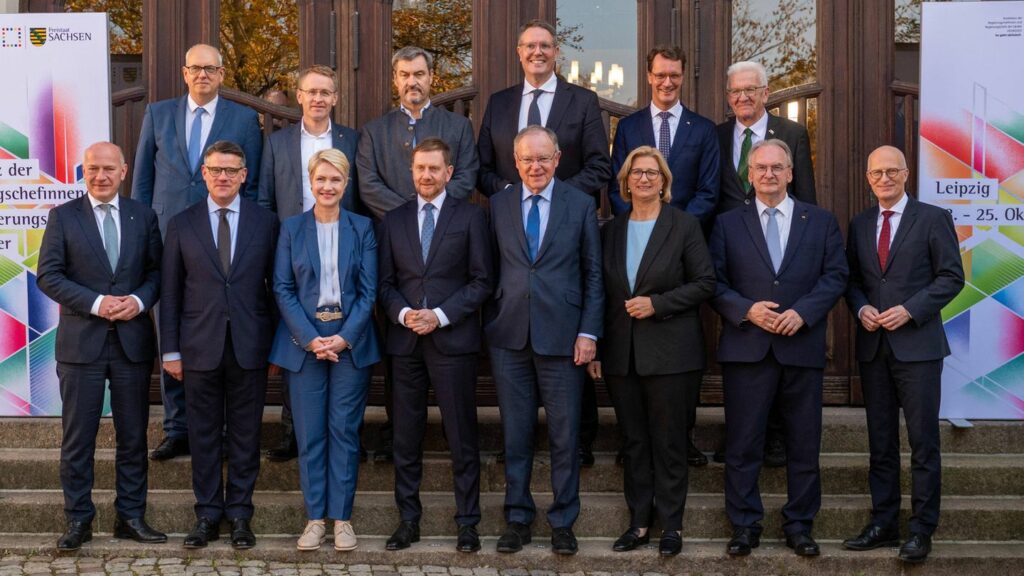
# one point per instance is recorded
(56, 70)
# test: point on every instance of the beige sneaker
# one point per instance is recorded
(314, 535)
(344, 536)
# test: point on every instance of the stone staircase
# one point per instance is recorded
(981, 531)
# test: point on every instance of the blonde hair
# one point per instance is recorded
(331, 156)
(645, 152)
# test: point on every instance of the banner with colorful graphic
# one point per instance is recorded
(972, 164)
(55, 102)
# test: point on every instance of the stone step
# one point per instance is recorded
(277, 555)
(844, 431)
(964, 518)
(962, 475)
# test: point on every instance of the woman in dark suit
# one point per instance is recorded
(657, 271)
(325, 279)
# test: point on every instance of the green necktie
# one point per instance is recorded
(110, 236)
(743, 169)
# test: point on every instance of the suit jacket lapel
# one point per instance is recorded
(662, 228)
(246, 223)
(295, 158)
(87, 220)
(907, 220)
(445, 216)
(346, 241)
(312, 247)
(647, 127)
(129, 226)
(620, 233)
(559, 105)
(199, 218)
(509, 118)
(219, 120)
(868, 245)
(797, 227)
(411, 227)
(682, 134)
(753, 222)
(515, 208)
(557, 213)
(180, 111)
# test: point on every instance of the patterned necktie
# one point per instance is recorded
(884, 239)
(195, 139)
(224, 241)
(427, 234)
(110, 236)
(773, 238)
(743, 169)
(533, 116)
(533, 228)
(664, 134)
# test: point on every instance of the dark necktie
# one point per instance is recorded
(533, 116)
(743, 169)
(224, 241)
(195, 140)
(664, 134)
(110, 236)
(884, 238)
(533, 228)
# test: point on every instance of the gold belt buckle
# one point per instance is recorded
(325, 316)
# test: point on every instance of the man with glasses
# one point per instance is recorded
(905, 266)
(167, 177)
(780, 268)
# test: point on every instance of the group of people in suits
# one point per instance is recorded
(260, 261)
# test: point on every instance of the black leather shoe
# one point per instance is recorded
(469, 539)
(406, 533)
(563, 541)
(719, 456)
(76, 534)
(515, 537)
(169, 448)
(586, 457)
(631, 540)
(774, 452)
(671, 543)
(242, 537)
(284, 452)
(137, 529)
(204, 532)
(695, 457)
(916, 549)
(743, 541)
(872, 537)
(803, 544)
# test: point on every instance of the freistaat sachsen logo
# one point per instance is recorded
(37, 36)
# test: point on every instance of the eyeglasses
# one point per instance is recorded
(764, 168)
(659, 78)
(325, 94)
(748, 92)
(637, 174)
(892, 173)
(538, 160)
(216, 171)
(544, 46)
(210, 70)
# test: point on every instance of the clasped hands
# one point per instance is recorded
(891, 319)
(118, 308)
(422, 322)
(327, 347)
(763, 315)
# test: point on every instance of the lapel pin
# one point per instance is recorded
(772, 132)
(687, 122)
(803, 216)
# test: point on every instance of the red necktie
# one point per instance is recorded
(883, 239)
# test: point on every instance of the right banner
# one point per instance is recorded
(972, 164)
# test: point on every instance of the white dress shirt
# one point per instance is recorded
(673, 122)
(784, 217)
(232, 216)
(310, 144)
(207, 119)
(437, 202)
(544, 102)
(759, 129)
(115, 213)
(894, 221)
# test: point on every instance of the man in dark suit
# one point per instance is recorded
(175, 133)
(285, 187)
(435, 274)
(100, 261)
(780, 268)
(542, 328)
(385, 151)
(905, 267)
(217, 321)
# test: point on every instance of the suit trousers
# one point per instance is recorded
(454, 381)
(233, 396)
(749, 391)
(652, 413)
(888, 385)
(521, 378)
(82, 390)
(328, 399)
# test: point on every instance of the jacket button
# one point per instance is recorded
(883, 280)
(776, 283)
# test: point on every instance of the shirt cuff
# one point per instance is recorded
(585, 335)
(142, 307)
(171, 356)
(441, 318)
(401, 315)
(95, 310)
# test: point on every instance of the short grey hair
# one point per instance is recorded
(772, 142)
(410, 53)
(536, 129)
(748, 66)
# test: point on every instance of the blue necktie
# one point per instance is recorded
(773, 238)
(427, 234)
(195, 140)
(110, 236)
(533, 228)
(664, 134)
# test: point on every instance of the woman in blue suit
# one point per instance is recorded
(325, 279)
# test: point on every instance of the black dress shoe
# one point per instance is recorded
(671, 543)
(774, 452)
(631, 540)
(872, 537)
(76, 534)
(515, 537)
(242, 537)
(469, 539)
(137, 529)
(284, 452)
(563, 541)
(204, 532)
(169, 448)
(916, 549)
(406, 533)
(743, 541)
(695, 457)
(719, 456)
(586, 457)
(803, 544)
(383, 455)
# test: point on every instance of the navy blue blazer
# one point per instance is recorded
(74, 270)
(200, 303)
(575, 118)
(457, 277)
(281, 170)
(549, 302)
(297, 288)
(162, 177)
(924, 273)
(693, 161)
(810, 280)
